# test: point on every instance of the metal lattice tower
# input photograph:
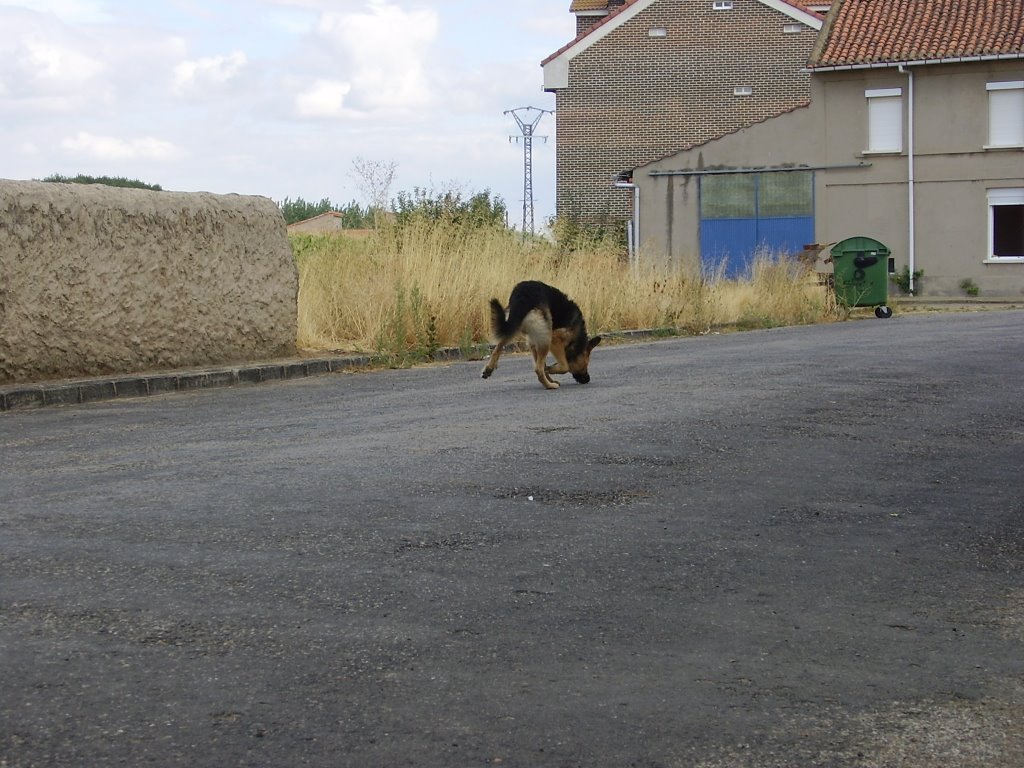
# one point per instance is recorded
(527, 125)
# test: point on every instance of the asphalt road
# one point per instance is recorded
(795, 547)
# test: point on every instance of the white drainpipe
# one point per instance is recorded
(634, 239)
(910, 171)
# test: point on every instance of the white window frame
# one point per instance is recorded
(1005, 115)
(885, 121)
(997, 197)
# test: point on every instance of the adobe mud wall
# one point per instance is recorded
(100, 280)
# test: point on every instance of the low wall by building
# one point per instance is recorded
(100, 280)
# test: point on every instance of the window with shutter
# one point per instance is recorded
(1005, 114)
(885, 120)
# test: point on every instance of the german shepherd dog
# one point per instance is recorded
(551, 323)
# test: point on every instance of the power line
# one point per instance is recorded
(527, 123)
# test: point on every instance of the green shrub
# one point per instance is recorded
(969, 287)
(902, 279)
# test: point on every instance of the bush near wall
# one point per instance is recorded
(100, 280)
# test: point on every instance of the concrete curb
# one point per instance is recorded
(88, 390)
(965, 302)
(14, 397)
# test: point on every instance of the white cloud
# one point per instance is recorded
(72, 11)
(163, 91)
(198, 74)
(326, 98)
(49, 66)
(388, 49)
(111, 148)
(43, 74)
(51, 61)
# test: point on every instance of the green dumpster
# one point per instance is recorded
(860, 268)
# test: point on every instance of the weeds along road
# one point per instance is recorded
(795, 547)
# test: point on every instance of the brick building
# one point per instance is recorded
(646, 78)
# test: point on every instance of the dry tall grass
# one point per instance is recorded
(407, 290)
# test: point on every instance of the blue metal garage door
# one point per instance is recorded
(742, 213)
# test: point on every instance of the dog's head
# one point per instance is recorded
(578, 364)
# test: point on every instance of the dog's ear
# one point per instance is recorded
(593, 342)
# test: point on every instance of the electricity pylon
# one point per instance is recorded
(527, 126)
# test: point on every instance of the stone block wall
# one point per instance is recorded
(102, 280)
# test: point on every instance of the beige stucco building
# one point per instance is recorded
(921, 149)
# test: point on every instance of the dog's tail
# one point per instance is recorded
(500, 326)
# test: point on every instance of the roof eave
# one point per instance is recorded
(597, 32)
(810, 18)
(915, 62)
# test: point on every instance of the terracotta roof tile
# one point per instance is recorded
(588, 5)
(890, 31)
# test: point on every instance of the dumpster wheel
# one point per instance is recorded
(883, 312)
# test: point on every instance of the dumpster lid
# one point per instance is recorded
(859, 244)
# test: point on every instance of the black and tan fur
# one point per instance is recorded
(552, 323)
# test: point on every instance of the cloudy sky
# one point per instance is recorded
(277, 97)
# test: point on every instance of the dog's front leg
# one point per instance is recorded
(540, 356)
(558, 350)
(560, 366)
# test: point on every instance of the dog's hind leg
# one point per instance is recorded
(502, 331)
(537, 328)
(492, 363)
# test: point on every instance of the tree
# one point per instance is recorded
(352, 215)
(478, 210)
(374, 178)
(355, 217)
(110, 181)
(300, 210)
